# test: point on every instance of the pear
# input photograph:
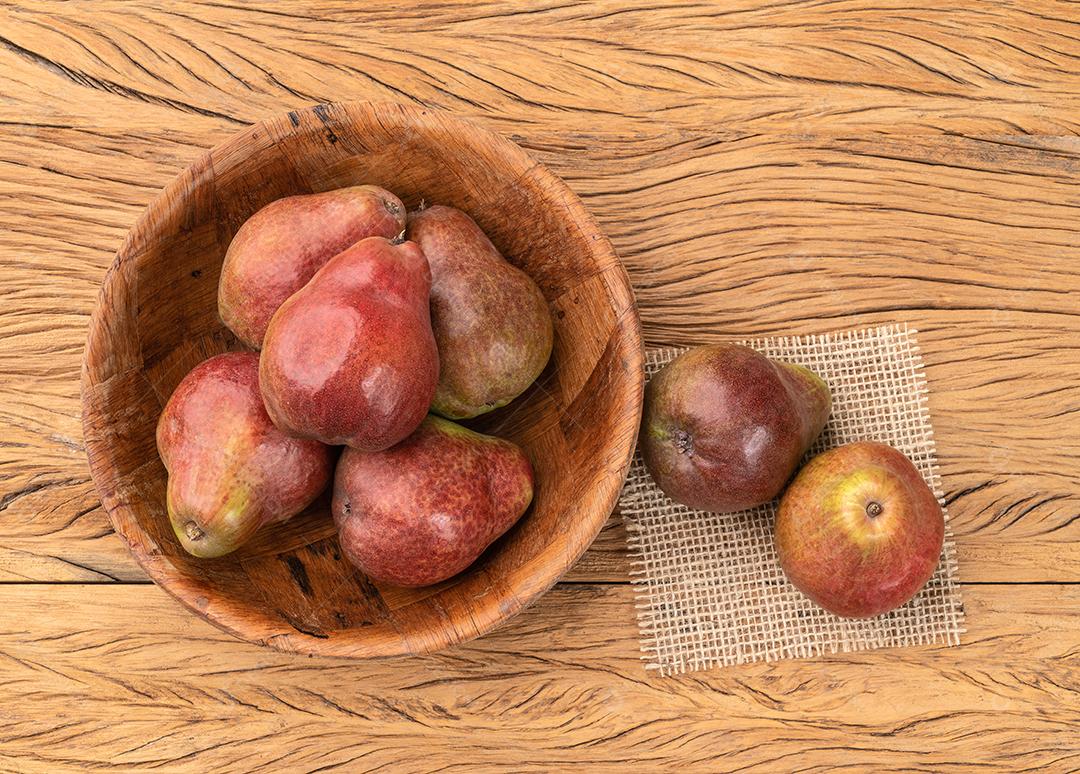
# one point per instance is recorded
(491, 322)
(424, 510)
(280, 247)
(230, 469)
(724, 427)
(859, 531)
(350, 358)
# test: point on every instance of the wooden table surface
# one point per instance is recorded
(761, 168)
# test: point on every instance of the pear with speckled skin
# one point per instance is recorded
(230, 469)
(858, 530)
(491, 320)
(424, 510)
(724, 427)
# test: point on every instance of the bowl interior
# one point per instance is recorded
(156, 319)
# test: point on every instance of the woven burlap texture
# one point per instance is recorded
(709, 588)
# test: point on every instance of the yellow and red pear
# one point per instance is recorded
(230, 469)
(858, 530)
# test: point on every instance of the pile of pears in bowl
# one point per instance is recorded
(349, 304)
(369, 330)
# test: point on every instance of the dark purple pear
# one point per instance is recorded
(724, 427)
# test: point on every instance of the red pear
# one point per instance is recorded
(350, 357)
(424, 510)
(490, 319)
(724, 427)
(230, 469)
(859, 531)
(280, 247)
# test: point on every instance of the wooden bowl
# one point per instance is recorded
(156, 319)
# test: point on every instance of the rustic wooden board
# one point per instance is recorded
(119, 677)
(972, 67)
(761, 168)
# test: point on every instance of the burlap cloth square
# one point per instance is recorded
(709, 588)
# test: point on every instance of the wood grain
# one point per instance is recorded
(761, 168)
(968, 67)
(120, 678)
